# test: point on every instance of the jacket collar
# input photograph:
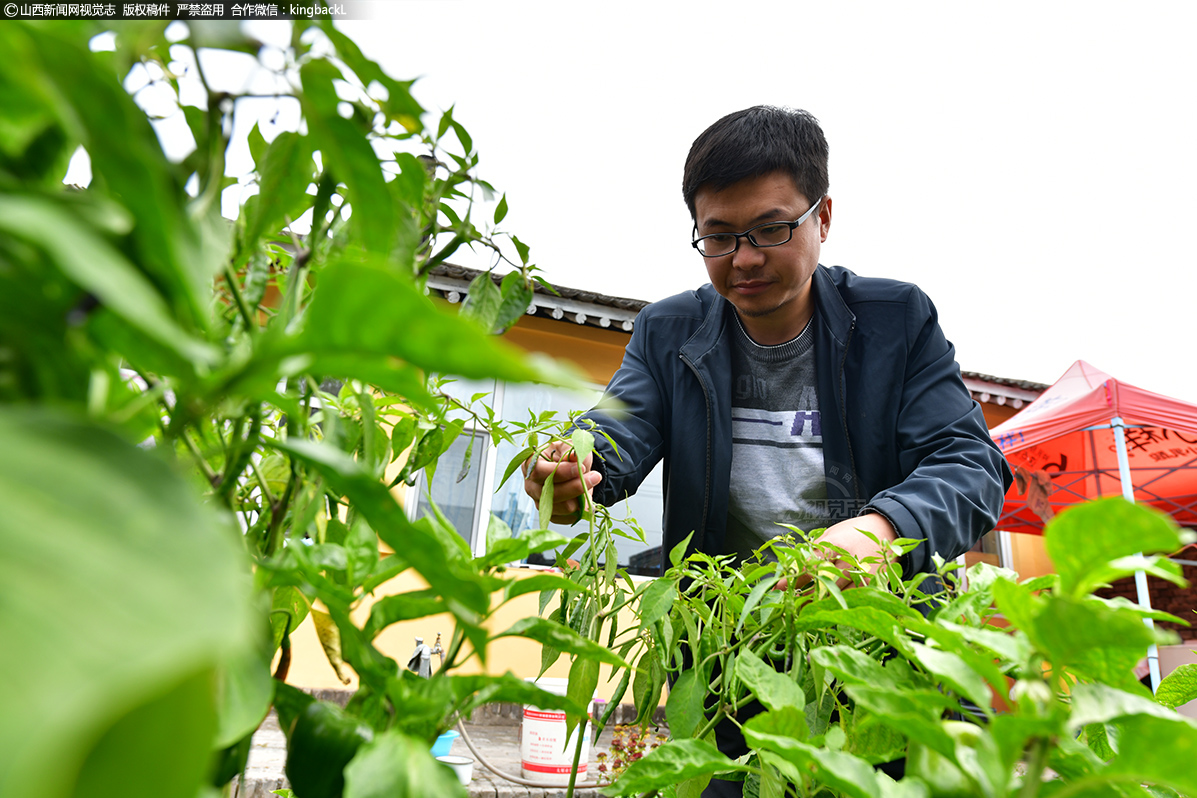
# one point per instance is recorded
(829, 307)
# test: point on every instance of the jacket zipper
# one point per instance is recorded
(706, 494)
(844, 415)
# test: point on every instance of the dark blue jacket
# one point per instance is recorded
(901, 435)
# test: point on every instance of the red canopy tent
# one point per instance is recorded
(1089, 436)
(1064, 449)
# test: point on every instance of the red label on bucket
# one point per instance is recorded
(537, 767)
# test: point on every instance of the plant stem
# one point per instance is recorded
(720, 714)
(209, 474)
(231, 280)
(1034, 775)
(573, 773)
(266, 495)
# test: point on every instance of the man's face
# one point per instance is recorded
(769, 286)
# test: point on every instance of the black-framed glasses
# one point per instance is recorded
(768, 234)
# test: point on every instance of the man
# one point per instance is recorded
(785, 391)
(904, 450)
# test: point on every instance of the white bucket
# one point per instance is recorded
(545, 754)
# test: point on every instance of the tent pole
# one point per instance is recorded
(1128, 493)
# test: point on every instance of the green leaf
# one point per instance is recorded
(774, 690)
(514, 549)
(127, 157)
(167, 731)
(583, 681)
(683, 708)
(539, 582)
(1017, 603)
(94, 265)
(786, 721)
(522, 249)
(562, 638)
(257, 145)
(673, 762)
(517, 296)
(361, 551)
(288, 607)
(546, 501)
(1122, 604)
(1091, 639)
(868, 619)
(1086, 541)
(482, 302)
(582, 443)
(409, 183)
(348, 154)
(515, 463)
(678, 552)
(402, 607)
(501, 209)
(845, 772)
(395, 765)
(129, 592)
(1100, 703)
(954, 671)
(497, 531)
(420, 545)
(399, 105)
(509, 688)
(321, 742)
(403, 434)
(1178, 687)
(244, 691)
(466, 142)
(286, 172)
(1157, 749)
(758, 592)
(656, 600)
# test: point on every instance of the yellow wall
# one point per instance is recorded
(597, 351)
(310, 668)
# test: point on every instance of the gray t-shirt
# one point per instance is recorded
(777, 442)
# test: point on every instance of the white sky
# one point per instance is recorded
(1030, 165)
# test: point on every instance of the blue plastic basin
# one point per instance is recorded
(444, 743)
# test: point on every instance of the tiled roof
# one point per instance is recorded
(986, 388)
(589, 308)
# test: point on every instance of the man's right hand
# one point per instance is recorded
(570, 480)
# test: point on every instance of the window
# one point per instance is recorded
(469, 503)
(458, 500)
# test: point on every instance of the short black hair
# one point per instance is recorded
(758, 141)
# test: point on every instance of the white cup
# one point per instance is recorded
(463, 766)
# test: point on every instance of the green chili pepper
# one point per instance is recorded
(322, 741)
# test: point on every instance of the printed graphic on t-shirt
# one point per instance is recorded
(785, 429)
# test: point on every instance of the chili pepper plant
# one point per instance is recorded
(205, 416)
(990, 687)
